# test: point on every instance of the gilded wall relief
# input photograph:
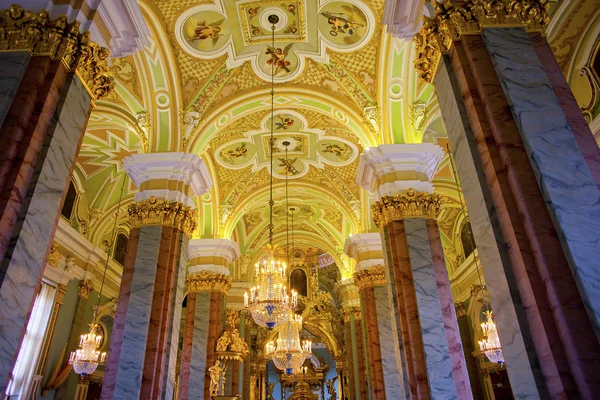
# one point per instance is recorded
(304, 146)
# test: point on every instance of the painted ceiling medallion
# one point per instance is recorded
(241, 29)
(306, 147)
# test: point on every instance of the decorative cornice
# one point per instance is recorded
(36, 33)
(411, 204)
(366, 278)
(85, 288)
(204, 281)
(453, 19)
(163, 212)
(54, 256)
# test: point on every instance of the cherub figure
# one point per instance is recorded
(204, 31)
(345, 22)
(239, 151)
(278, 58)
(286, 122)
(336, 149)
(330, 383)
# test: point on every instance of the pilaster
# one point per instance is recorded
(55, 74)
(143, 352)
(208, 281)
(505, 128)
(422, 306)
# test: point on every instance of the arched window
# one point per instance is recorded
(467, 240)
(121, 248)
(69, 203)
(298, 282)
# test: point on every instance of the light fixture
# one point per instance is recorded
(490, 344)
(268, 301)
(289, 352)
(87, 357)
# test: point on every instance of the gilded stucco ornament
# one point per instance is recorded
(410, 204)
(366, 278)
(24, 30)
(453, 19)
(85, 288)
(205, 281)
(154, 211)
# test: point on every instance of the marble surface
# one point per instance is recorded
(376, 368)
(522, 367)
(437, 357)
(34, 229)
(561, 331)
(198, 365)
(172, 344)
(137, 319)
(13, 65)
(567, 184)
(394, 387)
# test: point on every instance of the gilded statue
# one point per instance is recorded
(217, 378)
(238, 344)
(270, 388)
(224, 341)
(330, 383)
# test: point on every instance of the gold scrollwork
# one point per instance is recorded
(21, 29)
(154, 211)
(85, 288)
(205, 281)
(406, 205)
(453, 19)
(374, 276)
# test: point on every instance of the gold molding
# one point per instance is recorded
(205, 281)
(453, 19)
(85, 288)
(24, 30)
(374, 276)
(410, 204)
(154, 211)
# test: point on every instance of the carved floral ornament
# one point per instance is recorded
(410, 204)
(24, 30)
(374, 276)
(154, 211)
(453, 19)
(205, 281)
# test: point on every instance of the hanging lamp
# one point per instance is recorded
(87, 357)
(490, 344)
(268, 301)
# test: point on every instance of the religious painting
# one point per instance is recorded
(206, 31)
(237, 154)
(342, 23)
(298, 282)
(335, 151)
(278, 60)
(290, 166)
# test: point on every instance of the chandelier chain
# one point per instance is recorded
(271, 142)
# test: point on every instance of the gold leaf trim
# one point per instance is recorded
(374, 276)
(60, 40)
(205, 281)
(453, 19)
(406, 205)
(154, 211)
(85, 288)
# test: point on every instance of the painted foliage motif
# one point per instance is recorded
(206, 31)
(342, 23)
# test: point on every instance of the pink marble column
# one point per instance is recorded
(188, 339)
(455, 347)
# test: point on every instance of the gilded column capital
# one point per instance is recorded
(354, 311)
(24, 30)
(453, 19)
(410, 204)
(460, 308)
(374, 276)
(85, 288)
(163, 212)
(205, 281)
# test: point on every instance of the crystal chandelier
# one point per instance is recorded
(87, 357)
(268, 301)
(288, 352)
(491, 342)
